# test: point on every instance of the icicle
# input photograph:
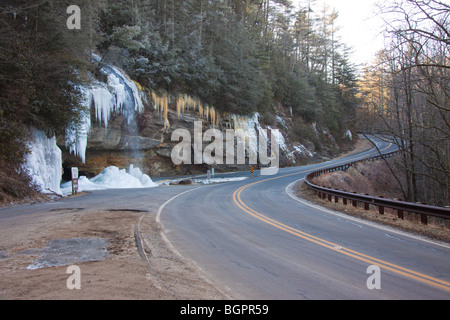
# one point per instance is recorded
(104, 104)
(179, 106)
(77, 136)
(118, 95)
(166, 121)
(44, 163)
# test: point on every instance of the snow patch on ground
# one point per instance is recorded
(112, 178)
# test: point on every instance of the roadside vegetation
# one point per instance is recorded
(374, 178)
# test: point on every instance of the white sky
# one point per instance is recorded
(359, 27)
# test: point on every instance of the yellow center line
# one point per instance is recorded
(329, 245)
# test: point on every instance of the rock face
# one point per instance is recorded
(150, 149)
(127, 125)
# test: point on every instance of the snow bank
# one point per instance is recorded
(113, 178)
(204, 180)
(44, 163)
(218, 180)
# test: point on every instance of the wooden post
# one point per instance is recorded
(381, 208)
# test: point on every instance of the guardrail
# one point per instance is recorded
(401, 206)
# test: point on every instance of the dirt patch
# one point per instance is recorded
(137, 262)
(436, 229)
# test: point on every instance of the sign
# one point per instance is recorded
(74, 173)
(252, 169)
(74, 180)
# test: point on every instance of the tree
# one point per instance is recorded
(414, 81)
(40, 66)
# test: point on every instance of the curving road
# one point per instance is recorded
(261, 242)
(256, 238)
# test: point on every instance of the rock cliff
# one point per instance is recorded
(126, 124)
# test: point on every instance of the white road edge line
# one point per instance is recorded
(290, 193)
(158, 219)
(200, 271)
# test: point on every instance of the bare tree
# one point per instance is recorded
(415, 73)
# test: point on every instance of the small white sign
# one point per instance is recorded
(74, 173)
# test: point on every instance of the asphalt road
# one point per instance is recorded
(260, 242)
(264, 244)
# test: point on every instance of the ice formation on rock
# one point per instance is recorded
(118, 95)
(44, 163)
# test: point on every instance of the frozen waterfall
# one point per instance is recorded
(76, 137)
(118, 95)
(44, 163)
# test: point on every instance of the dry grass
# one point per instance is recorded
(373, 178)
(16, 188)
(437, 229)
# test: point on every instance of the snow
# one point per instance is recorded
(349, 134)
(44, 163)
(302, 150)
(279, 138)
(281, 120)
(248, 129)
(113, 178)
(219, 180)
(204, 180)
(133, 178)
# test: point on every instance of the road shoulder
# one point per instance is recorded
(121, 274)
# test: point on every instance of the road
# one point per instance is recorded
(264, 244)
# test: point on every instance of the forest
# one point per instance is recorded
(407, 97)
(240, 56)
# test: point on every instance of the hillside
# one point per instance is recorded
(234, 61)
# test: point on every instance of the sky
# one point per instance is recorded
(359, 27)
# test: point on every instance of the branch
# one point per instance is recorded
(388, 165)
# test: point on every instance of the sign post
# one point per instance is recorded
(74, 181)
